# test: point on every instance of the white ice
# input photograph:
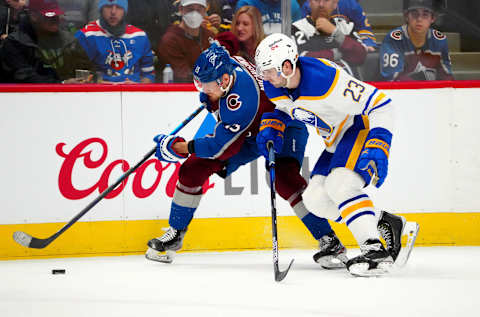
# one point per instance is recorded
(437, 281)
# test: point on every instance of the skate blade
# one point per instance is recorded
(163, 257)
(331, 262)
(411, 230)
(361, 269)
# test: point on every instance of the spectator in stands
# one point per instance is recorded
(323, 34)
(78, 13)
(152, 16)
(247, 32)
(416, 51)
(10, 11)
(271, 13)
(351, 11)
(121, 51)
(182, 43)
(39, 52)
(219, 15)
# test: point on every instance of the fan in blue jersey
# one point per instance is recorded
(230, 89)
(416, 51)
(355, 120)
(121, 51)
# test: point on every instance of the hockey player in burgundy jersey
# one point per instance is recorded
(415, 51)
(231, 90)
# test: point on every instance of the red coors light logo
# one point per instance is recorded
(80, 154)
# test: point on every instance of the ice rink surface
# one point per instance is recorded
(437, 281)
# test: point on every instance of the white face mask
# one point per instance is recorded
(193, 19)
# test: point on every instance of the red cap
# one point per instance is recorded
(48, 8)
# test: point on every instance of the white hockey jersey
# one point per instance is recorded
(328, 98)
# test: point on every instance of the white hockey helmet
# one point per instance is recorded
(273, 51)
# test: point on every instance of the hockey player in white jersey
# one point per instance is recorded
(356, 122)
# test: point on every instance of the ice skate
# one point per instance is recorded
(332, 254)
(391, 228)
(374, 260)
(163, 249)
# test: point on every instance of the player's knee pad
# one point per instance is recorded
(342, 184)
(317, 201)
(345, 188)
(289, 184)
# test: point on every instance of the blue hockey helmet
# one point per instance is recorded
(212, 64)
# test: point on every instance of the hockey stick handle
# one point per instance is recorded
(41, 243)
(278, 275)
(271, 165)
(127, 173)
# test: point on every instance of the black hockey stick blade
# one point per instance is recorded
(280, 275)
(28, 241)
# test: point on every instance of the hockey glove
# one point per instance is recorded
(210, 106)
(376, 149)
(272, 128)
(165, 151)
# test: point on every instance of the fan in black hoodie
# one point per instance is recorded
(39, 52)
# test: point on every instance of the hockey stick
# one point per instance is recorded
(279, 275)
(375, 178)
(28, 241)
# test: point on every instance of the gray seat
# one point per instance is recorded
(370, 70)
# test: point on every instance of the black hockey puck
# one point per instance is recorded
(58, 271)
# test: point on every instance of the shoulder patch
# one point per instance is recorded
(396, 35)
(309, 117)
(233, 102)
(438, 35)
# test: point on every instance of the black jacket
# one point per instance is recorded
(25, 58)
(9, 19)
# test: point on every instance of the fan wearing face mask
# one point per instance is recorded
(182, 43)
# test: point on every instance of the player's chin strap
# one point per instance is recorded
(229, 86)
(289, 76)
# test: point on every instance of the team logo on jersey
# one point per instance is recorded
(233, 102)
(438, 35)
(396, 35)
(115, 63)
(311, 118)
(115, 58)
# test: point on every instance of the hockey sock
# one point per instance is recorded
(317, 226)
(363, 228)
(344, 186)
(358, 214)
(180, 216)
(185, 202)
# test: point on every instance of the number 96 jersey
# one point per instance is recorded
(329, 99)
